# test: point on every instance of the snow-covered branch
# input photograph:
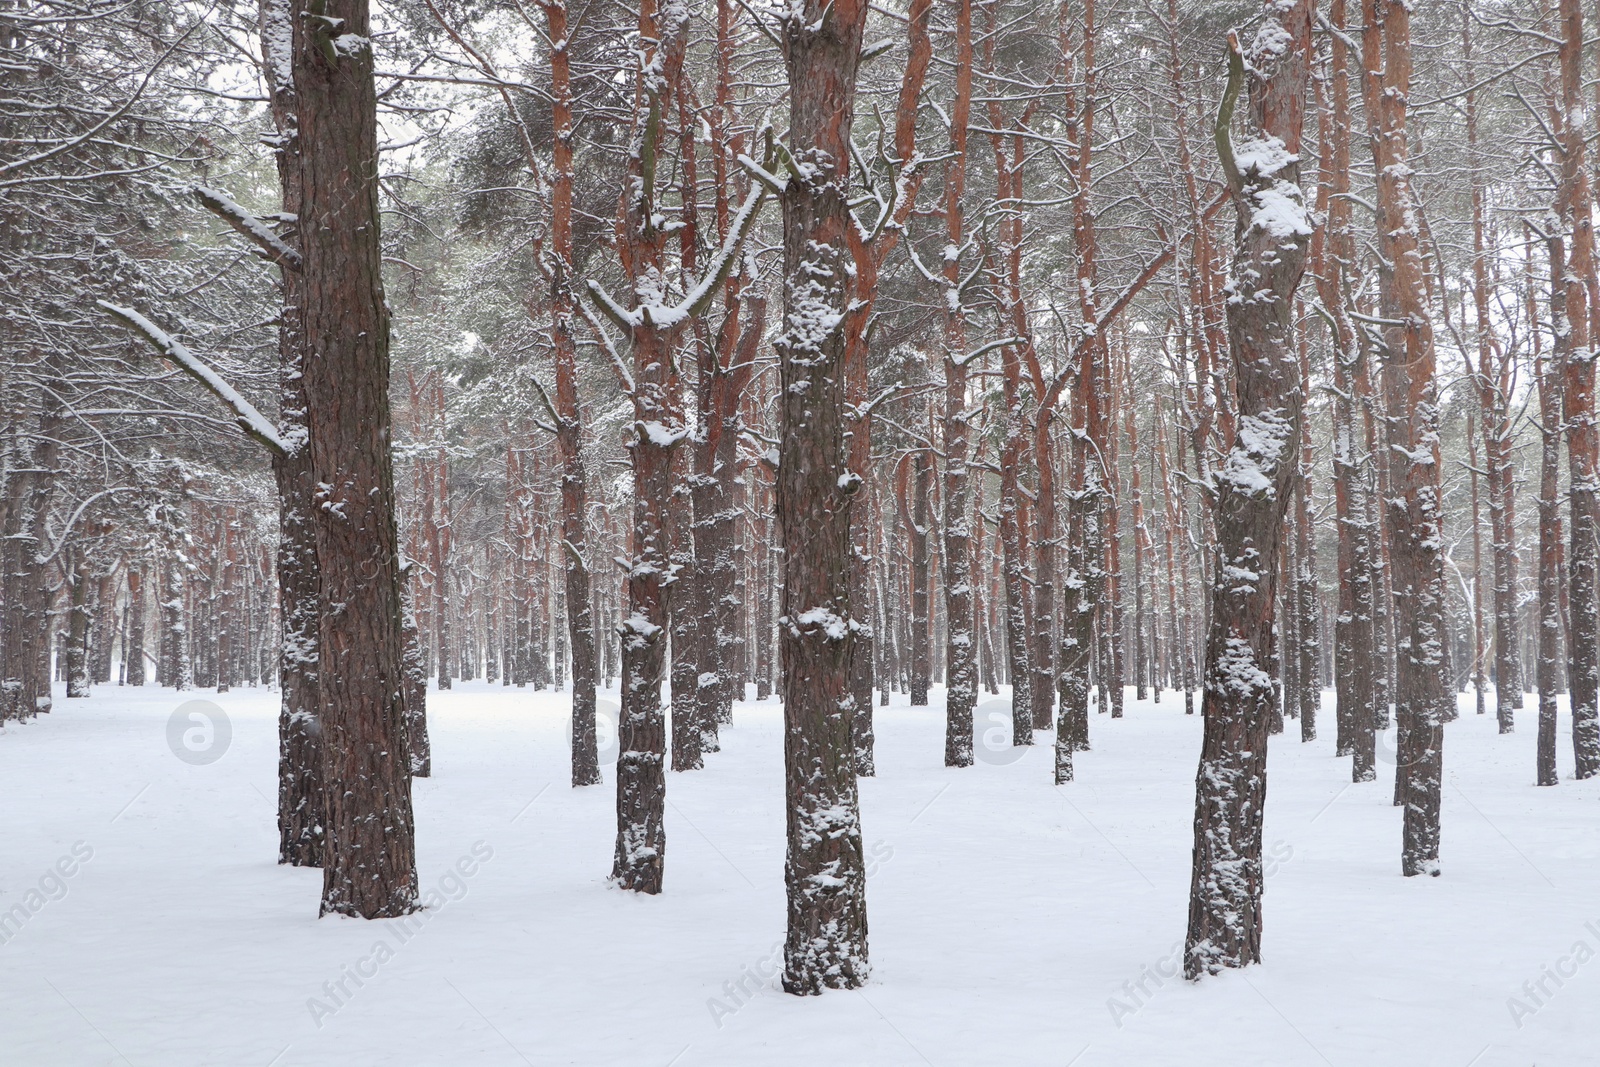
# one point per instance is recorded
(250, 420)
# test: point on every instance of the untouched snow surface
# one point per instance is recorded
(1012, 922)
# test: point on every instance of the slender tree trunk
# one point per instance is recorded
(1547, 660)
(1413, 459)
(918, 523)
(569, 424)
(1574, 354)
(960, 607)
(133, 644)
(77, 572)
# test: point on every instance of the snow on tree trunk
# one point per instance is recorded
(369, 869)
(1251, 486)
(1412, 495)
(1574, 355)
(25, 624)
(824, 870)
(961, 690)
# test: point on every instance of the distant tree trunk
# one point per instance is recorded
(1252, 492)
(223, 620)
(824, 871)
(1143, 652)
(689, 620)
(104, 630)
(177, 670)
(1082, 585)
(1306, 612)
(439, 534)
(1334, 251)
(369, 868)
(415, 694)
(1547, 660)
(1494, 379)
(1480, 682)
(918, 523)
(77, 572)
(133, 645)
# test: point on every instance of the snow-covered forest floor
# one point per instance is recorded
(1012, 922)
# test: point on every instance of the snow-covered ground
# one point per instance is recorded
(1012, 922)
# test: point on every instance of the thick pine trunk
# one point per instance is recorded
(824, 870)
(369, 868)
(1252, 495)
(657, 428)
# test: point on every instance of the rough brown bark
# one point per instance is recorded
(25, 627)
(568, 416)
(301, 808)
(1412, 493)
(961, 613)
(369, 868)
(1574, 354)
(1252, 490)
(824, 870)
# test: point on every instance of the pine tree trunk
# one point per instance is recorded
(415, 692)
(824, 871)
(658, 425)
(370, 866)
(1547, 660)
(1574, 355)
(569, 421)
(689, 622)
(302, 812)
(960, 603)
(917, 524)
(1252, 495)
(133, 644)
(76, 573)
(1413, 460)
